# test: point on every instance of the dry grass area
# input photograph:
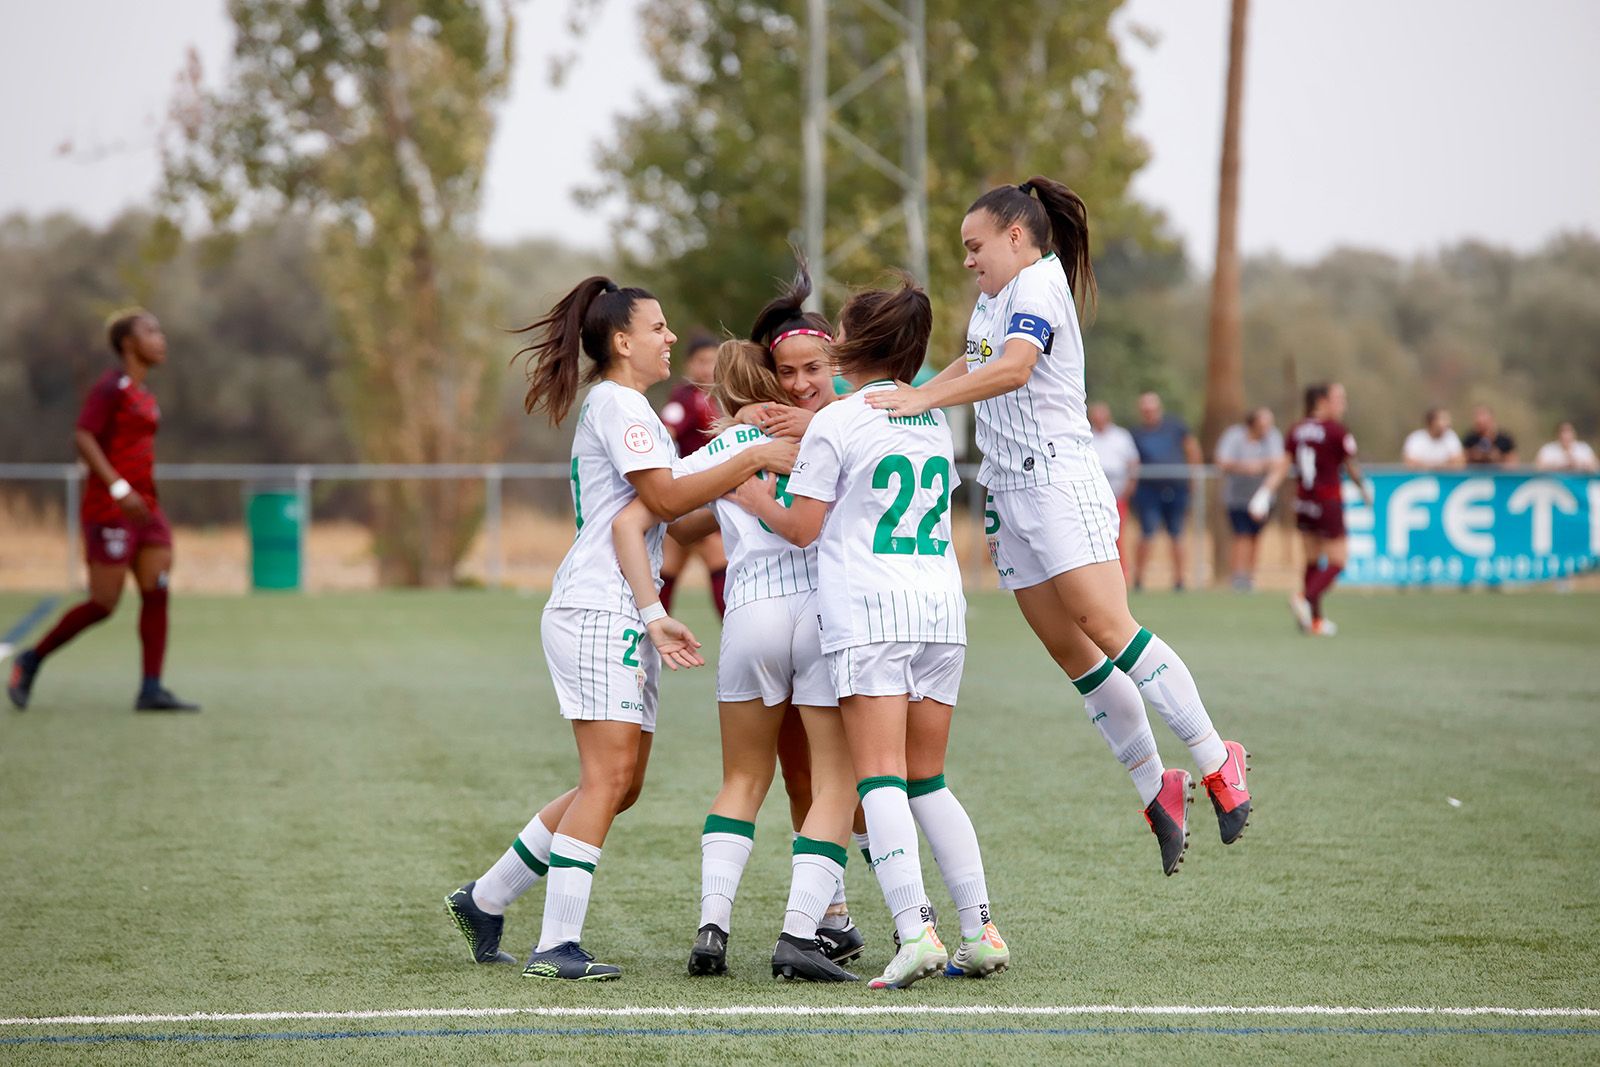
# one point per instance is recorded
(216, 559)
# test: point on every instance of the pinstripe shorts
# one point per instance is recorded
(1040, 532)
(603, 665)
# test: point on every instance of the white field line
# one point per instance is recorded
(803, 1011)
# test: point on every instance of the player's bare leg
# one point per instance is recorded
(1097, 599)
(105, 590)
(151, 570)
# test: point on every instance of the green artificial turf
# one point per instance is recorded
(360, 756)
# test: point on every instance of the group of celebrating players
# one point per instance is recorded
(845, 611)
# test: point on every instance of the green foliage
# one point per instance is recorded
(711, 176)
(376, 117)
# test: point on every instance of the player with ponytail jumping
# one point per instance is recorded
(873, 492)
(605, 672)
(1054, 524)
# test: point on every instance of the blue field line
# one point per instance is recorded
(29, 621)
(822, 1031)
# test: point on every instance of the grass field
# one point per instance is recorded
(360, 756)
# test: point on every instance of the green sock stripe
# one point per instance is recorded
(1130, 655)
(564, 861)
(805, 846)
(527, 857)
(1095, 678)
(721, 824)
(921, 787)
(882, 781)
(866, 854)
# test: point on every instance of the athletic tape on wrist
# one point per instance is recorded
(120, 488)
(652, 613)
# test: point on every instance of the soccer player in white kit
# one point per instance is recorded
(605, 673)
(874, 492)
(1054, 536)
(771, 655)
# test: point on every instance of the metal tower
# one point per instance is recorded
(821, 126)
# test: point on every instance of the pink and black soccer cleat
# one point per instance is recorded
(1168, 816)
(1228, 793)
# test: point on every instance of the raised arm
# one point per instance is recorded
(800, 523)
(672, 498)
(1006, 374)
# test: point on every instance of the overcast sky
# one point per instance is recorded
(1399, 124)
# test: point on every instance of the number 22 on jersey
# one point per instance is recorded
(886, 540)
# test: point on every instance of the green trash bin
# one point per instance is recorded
(273, 519)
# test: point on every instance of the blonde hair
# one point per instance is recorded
(743, 378)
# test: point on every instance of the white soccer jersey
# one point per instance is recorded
(618, 433)
(761, 564)
(886, 568)
(1040, 433)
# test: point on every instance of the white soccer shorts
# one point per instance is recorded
(603, 665)
(772, 649)
(1040, 532)
(917, 669)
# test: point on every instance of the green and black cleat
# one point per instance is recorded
(710, 952)
(568, 962)
(481, 929)
(799, 960)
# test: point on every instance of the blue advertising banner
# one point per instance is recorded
(1472, 529)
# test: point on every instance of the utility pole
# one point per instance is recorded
(820, 125)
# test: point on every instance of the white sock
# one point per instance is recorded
(724, 850)
(863, 846)
(897, 862)
(566, 900)
(1164, 680)
(1112, 700)
(818, 866)
(516, 872)
(944, 822)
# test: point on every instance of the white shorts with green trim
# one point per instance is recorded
(916, 669)
(772, 649)
(1046, 530)
(603, 665)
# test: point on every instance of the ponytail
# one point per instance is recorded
(1057, 221)
(786, 312)
(887, 330)
(585, 319)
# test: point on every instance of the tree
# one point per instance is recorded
(711, 175)
(376, 118)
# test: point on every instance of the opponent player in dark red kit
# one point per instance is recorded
(691, 416)
(123, 527)
(1318, 447)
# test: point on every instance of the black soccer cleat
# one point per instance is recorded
(799, 960)
(842, 944)
(1168, 816)
(710, 952)
(481, 929)
(23, 672)
(159, 699)
(570, 963)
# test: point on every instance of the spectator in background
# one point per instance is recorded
(1119, 457)
(1435, 446)
(1486, 443)
(1244, 454)
(1161, 503)
(1565, 453)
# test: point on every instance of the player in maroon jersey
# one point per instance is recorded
(123, 528)
(690, 415)
(1318, 447)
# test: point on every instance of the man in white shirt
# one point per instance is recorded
(1435, 446)
(1119, 457)
(1567, 453)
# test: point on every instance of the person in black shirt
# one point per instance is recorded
(1486, 443)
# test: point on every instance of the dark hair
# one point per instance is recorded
(120, 327)
(1315, 394)
(885, 329)
(588, 317)
(1431, 414)
(786, 311)
(1057, 221)
(698, 340)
